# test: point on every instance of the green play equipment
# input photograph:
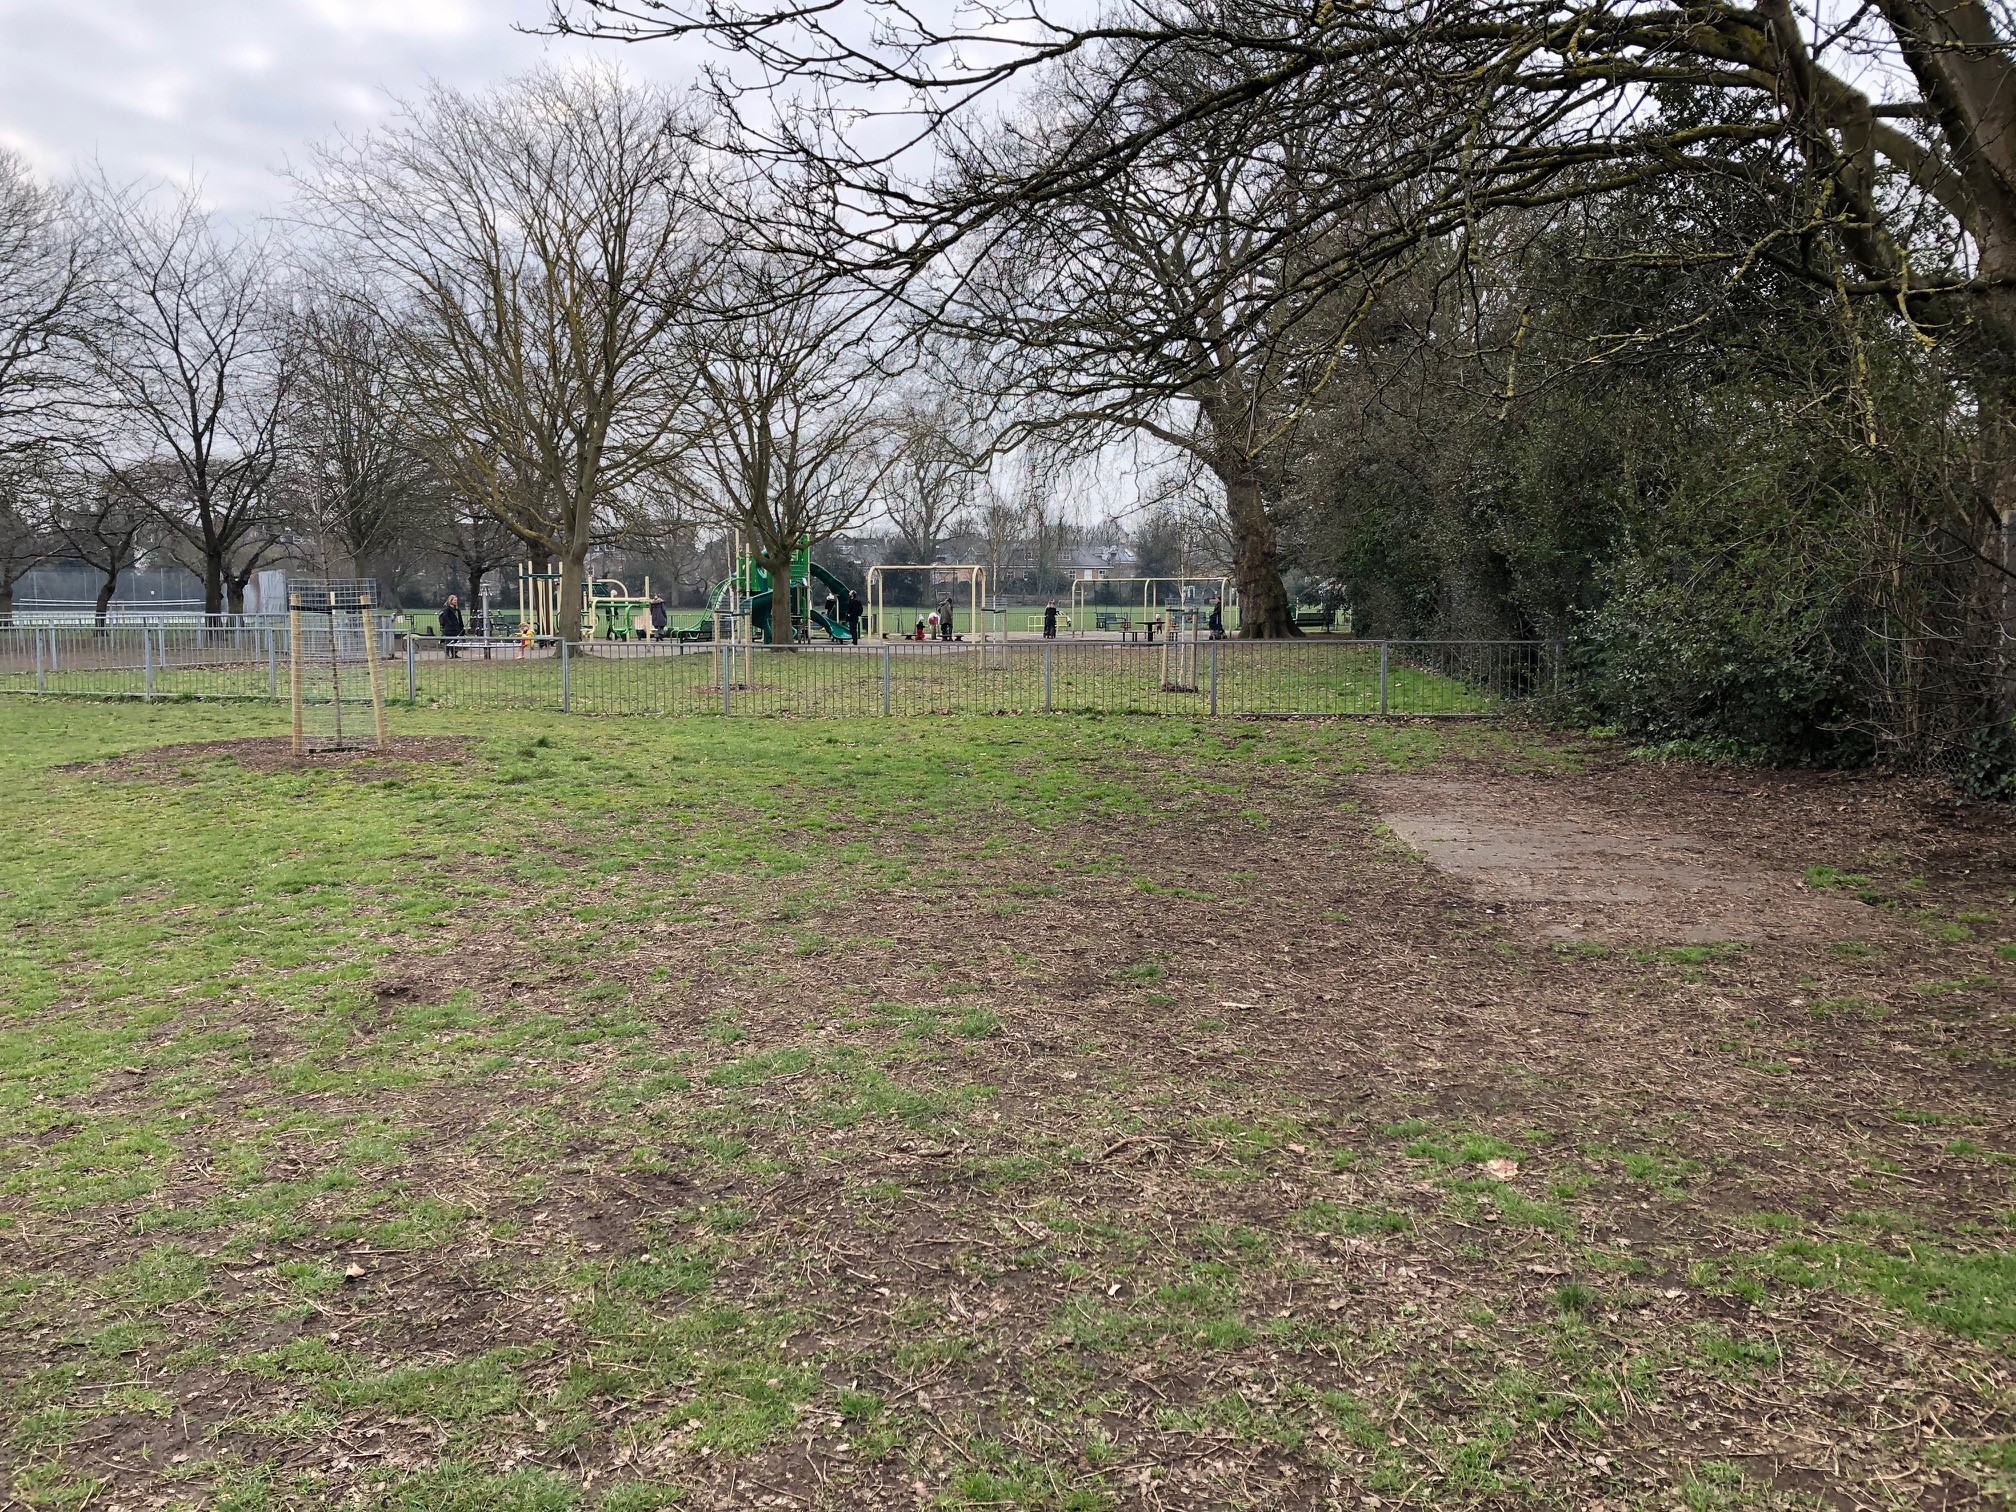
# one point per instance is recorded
(752, 587)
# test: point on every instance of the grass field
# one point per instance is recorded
(1060, 1113)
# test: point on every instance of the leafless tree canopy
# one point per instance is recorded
(46, 291)
(193, 376)
(788, 409)
(539, 247)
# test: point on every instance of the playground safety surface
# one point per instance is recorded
(1271, 1117)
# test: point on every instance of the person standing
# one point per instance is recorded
(657, 616)
(1050, 620)
(451, 627)
(945, 617)
(853, 613)
(1216, 624)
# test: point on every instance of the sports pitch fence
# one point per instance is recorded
(1231, 677)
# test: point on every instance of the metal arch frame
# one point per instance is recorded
(1079, 605)
(977, 584)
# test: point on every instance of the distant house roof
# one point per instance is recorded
(1099, 562)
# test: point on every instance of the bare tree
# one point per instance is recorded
(789, 414)
(101, 522)
(471, 535)
(191, 357)
(1884, 137)
(933, 472)
(539, 244)
(26, 539)
(999, 523)
(1142, 306)
(365, 489)
(46, 285)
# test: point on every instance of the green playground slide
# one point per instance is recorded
(759, 605)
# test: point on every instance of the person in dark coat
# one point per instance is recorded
(452, 628)
(1216, 624)
(945, 618)
(657, 616)
(852, 612)
(1050, 620)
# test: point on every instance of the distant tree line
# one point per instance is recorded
(540, 324)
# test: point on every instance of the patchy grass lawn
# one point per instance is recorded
(1051, 1113)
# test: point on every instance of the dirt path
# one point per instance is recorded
(1582, 865)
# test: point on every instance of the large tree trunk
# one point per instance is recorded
(473, 610)
(213, 584)
(1264, 613)
(6, 601)
(580, 525)
(1998, 440)
(782, 631)
(573, 583)
(105, 591)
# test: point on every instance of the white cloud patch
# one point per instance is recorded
(233, 89)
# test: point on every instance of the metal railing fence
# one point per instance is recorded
(1306, 677)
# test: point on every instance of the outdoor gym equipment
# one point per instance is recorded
(618, 614)
(1083, 591)
(609, 610)
(969, 575)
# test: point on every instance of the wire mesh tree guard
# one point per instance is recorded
(333, 681)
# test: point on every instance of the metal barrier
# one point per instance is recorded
(1296, 677)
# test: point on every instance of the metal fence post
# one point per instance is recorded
(147, 663)
(1214, 677)
(1383, 647)
(725, 654)
(272, 663)
(53, 665)
(41, 677)
(885, 679)
(412, 671)
(566, 688)
(1048, 656)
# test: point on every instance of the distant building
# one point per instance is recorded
(1099, 564)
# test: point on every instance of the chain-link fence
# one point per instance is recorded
(1311, 677)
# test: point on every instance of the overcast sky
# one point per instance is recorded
(230, 89)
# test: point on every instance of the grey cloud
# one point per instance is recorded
(233, 89)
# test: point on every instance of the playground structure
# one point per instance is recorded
(969, 575)
(747, 597)
(332, 660)
(1086, 614)
(609, 610)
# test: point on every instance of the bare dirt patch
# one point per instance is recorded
(275, 753)
(1586, 866)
